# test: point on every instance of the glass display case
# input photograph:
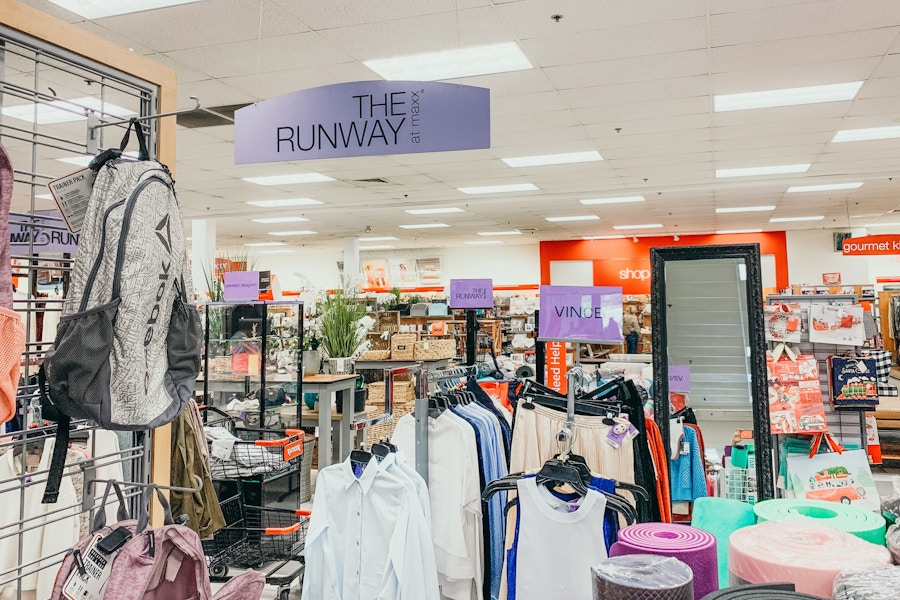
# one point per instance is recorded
(252, 360)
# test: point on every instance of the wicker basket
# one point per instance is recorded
(403, 346)
(377, 341)
(376, 355)
(384, 431)
(388, 320)
(306, 461)
(404, 393)
(221, 364)
(435, 349)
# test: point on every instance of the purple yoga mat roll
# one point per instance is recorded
(694, 547)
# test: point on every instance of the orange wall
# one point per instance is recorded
(627, 263)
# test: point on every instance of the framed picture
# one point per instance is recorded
(839, 240)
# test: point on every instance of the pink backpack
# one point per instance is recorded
(166, 563)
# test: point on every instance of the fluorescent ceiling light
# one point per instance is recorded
(297, 232)
(573, 218)
(726, 231)
(883, 225)
(190, 239)
(284, 202)
(863, 135)
(83, 161)
(59, 111)
(278, 252)
(740, 209)
(510, 232)
(385, 238)
(553, 159)
(793, 219)
(484, 243)
(644, 226)
(823, 188)
(289, 179)
(433, 211)
(450, 64)
(264, 244)
(280, 220)
(622, 200)
(787, 97)
(603, 237)
(498, 189)
(44, 197)
(424, 226)
(750, 171)
(92, 9)
(381, 247)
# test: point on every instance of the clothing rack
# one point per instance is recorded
(94, 123)
(155, 486)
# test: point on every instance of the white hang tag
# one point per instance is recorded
(92, 569)
(72, 193)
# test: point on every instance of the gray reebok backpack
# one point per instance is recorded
(127, 350)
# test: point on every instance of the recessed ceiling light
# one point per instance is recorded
(296, 232)
(823, 188)
(381, 247)
(83, 161)
(573, 218)
(863, 135)
(740, 209)
(793, 219)
(727, 231)
(750, 171)
(510, 232)
(787, 97)
(450, 64)
(433, 211)
(283, 202)
(62, 111)
(280, 220)
(484, 243)
(384, 238)
(644, 226)
(553, 159)
(264, 244)
(424, 226)
(498, 189)
(603, 237)
(44, 197)
(91, 9)
(883, 225)
(622, 200)
(289, 179)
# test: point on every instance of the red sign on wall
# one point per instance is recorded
(556, 366)
(871, 245)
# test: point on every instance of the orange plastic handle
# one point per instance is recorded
(293, 432)
(303, 513)
(272, 443)
(283, 530)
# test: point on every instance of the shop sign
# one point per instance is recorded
(556, 366)
(241, 286)
(363, 118)
(581, 314)
(471, 293)
(871, 245)
(679, 378)
(45, 236)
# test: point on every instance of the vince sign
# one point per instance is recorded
(471, 293)
(363, 118)
(580, 314)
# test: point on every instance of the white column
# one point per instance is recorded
(203, 253)
(351, 262)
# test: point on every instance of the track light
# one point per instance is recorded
(676, 238)
(634, 239)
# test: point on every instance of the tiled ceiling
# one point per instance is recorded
(632, 80)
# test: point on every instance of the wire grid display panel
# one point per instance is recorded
(45, 96)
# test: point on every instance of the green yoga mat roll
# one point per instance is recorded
(721, 517)
(862, 523)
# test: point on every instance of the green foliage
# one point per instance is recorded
(340, 315)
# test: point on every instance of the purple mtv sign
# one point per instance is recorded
(580, 314)
(363, 118)
(471, 293)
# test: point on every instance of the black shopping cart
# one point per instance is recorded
(268, 539)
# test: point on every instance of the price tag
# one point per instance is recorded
(72, 193)
(88, 580)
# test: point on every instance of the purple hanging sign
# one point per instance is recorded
(363, 118)
(241, 286)
(471, 293)
(679, 378)
(580, 314)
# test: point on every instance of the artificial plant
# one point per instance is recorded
(340, 316)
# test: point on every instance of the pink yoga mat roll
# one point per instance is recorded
(805, 553)
(694, 547)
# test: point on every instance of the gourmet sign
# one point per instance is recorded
(363, 118)
(871, 245)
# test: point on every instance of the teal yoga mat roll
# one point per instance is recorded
(860, 522)
(721, 517)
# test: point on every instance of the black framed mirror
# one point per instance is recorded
(707, 319)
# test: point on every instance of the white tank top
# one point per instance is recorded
(558, 543)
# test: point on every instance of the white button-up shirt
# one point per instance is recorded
(366, 539)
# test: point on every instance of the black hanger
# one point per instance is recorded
(360, 458)
(380, 450)
(557, 472)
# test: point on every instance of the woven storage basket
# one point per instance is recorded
(221, 364)
(306, 461)
(377, 341)
(404, 393)
(403, 346)
(384, 431)
(435, 349)
(376, 355)
(388, 320)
